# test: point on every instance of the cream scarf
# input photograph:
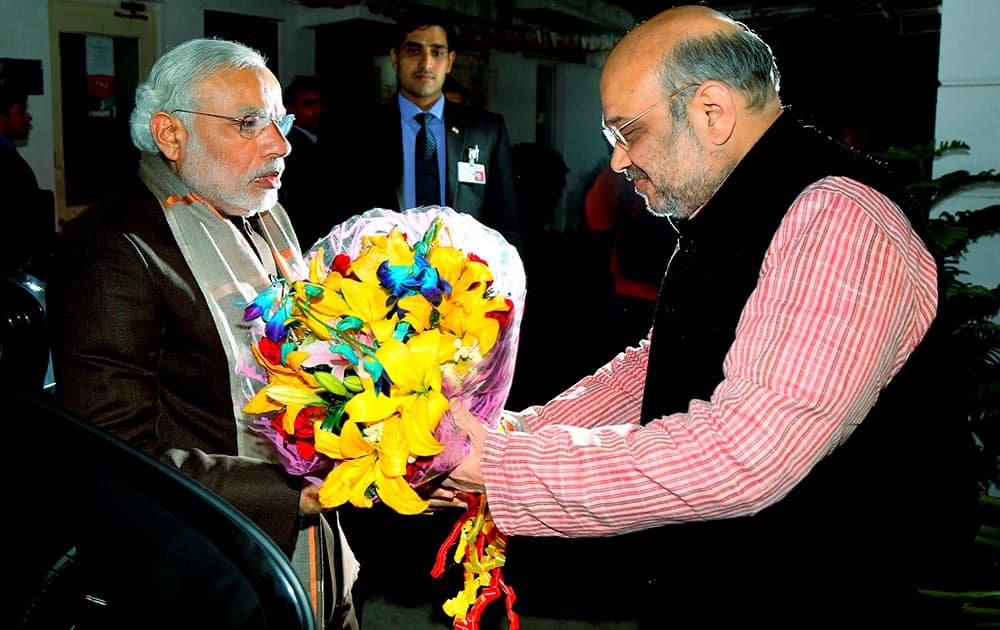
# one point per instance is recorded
(229, 274)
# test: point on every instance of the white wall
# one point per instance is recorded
(969, 73)
(511, 92)
(578, 134)
(576, 119)
(30, 40)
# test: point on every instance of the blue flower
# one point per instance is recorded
(266, 304)
(276, 328)
(420, 277)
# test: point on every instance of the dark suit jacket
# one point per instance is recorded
(378, 179)
(306, 194)
(136, 352)
(30, 208)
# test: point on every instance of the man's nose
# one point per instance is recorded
(277, 143)
(620, 159)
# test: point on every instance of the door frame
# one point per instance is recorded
(67, 16)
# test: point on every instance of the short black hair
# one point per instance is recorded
(12, 95)
(299, 85)
(420, 18)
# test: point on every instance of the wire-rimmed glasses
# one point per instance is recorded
(251, 125)
(614, 134)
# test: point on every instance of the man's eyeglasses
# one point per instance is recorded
(251, 125)
(614, 134)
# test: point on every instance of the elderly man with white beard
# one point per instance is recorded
(146, 318)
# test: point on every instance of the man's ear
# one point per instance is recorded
(394, 58)
(715, 108)
(451, 61)
(168, 134)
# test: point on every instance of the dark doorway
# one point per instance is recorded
(545, 80)
(345, 63)
(839, 73)
(96, 104)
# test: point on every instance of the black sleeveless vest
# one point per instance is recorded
(719, 254)
(856, 538)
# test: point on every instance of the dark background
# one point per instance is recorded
(865, 71)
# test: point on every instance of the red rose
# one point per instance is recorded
(341, 263)
(503, 317)
(271, 350)
(304, 433)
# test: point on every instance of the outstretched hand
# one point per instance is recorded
(468, 475)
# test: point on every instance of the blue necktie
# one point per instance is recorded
(426, 163)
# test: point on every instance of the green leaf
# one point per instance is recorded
(333, 422)
(330, 383)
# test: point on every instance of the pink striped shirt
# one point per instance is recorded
(845, 293)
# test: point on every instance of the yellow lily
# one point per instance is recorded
(332, 281)
(397, 494)
(317, 272)
(418, 311)
(350, 444)
(415, 370)
(349, 481)
(393, 453)
(356, 470)
(280, 377)
(327, 442)
(466, 314)
(367, 407)
(398, 250)
(464, 311)
(472, 276)
(415, 413)
(449, 263)
(367, 302)
(378, 249)
(331, 303)
(366, 463)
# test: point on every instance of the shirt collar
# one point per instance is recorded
(407, 110)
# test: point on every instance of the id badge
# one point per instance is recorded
(471, 173)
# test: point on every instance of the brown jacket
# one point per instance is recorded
(136, 352)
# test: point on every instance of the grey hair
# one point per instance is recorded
(739, 59)
(176, 75)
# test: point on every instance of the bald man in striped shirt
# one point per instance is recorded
(785, 418)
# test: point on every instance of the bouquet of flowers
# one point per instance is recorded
(400, 313)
